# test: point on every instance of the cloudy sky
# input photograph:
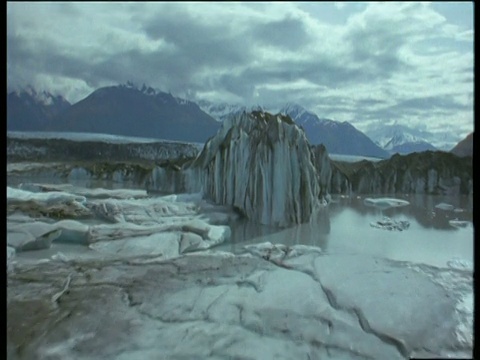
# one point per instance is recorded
(410, 63)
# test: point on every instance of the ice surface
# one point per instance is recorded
(389, 224)
(84, 192)
(72, 232)
(226, 306)
(32, 236)
(465, 308)
(460, 264)
(160, 244)
(168, 244)
(18, 195)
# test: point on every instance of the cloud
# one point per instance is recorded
(400, 61)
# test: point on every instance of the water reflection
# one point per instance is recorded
(344, 226)
(314, 233)
(422, 209)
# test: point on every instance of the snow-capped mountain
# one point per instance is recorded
(303, 117)
(222, 111)
(405, 143)
(133, 111)
(401, 139)
(338, 137)
(29, 110)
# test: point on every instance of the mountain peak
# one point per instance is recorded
(145, 89)
(31, 110)
(294, 110)
(43, 98)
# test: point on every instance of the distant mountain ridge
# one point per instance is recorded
(122, 110)
(403, 140)
(464, 147)
(338, 137)
(404, 143)
(29, 110)
(142, 111)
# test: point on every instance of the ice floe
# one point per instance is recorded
(444, 206)
(385, 203)
(460, 224)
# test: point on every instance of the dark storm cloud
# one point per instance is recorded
(289, 34)
(430, 103)
(439, 107)
(377, 49)
(379, 61)
(199, 44)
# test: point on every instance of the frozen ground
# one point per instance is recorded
(137, 277)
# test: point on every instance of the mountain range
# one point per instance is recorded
(144, 112)
(402, 139)
(119, 110)
(338, 137)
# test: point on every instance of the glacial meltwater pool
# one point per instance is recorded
(438, 236)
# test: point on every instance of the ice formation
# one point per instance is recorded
(389, 224)
(262, 165)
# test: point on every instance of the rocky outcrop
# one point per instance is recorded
(330, 178)
(436, 173)
(262, 165)
(24, 148)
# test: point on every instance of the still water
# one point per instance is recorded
(344, 226)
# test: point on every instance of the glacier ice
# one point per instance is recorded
(98, 193)
(32, 236)
(389, 224)
(262, 165)
(18, 195)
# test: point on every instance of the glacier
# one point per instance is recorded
(262, 165)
